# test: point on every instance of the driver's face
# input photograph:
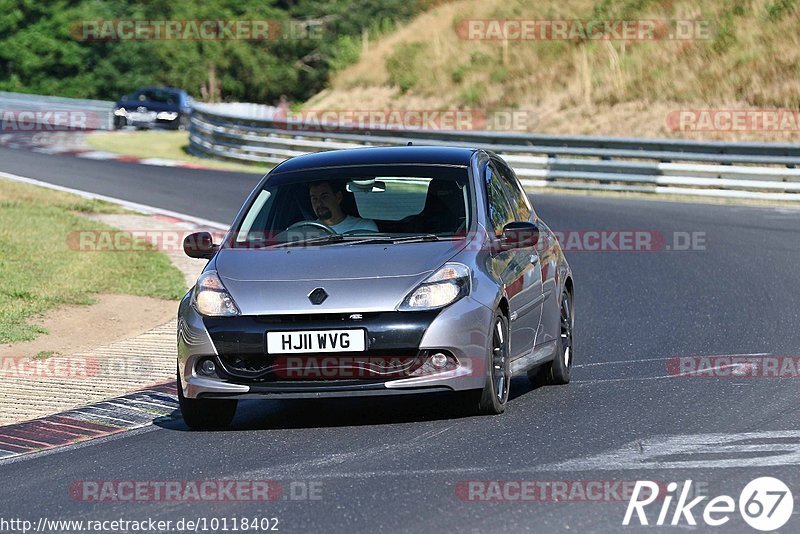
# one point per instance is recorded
(325, 202)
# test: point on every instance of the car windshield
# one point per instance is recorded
(156, 95)
(359, 205)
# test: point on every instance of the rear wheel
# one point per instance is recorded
(206, 414)
(559, 370)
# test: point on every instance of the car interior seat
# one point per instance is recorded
(444, 208)
(349, 205)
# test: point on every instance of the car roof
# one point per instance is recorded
(158, 88)
(422, 155)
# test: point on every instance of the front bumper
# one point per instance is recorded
(245, 370)
(132, 119)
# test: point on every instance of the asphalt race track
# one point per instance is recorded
(406, 464)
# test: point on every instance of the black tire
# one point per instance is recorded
(183, 123)
(491, 400)
(206, 414)
(559, 371)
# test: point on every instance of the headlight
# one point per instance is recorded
(211, 298)
(445, 286)
(167, 115)
(120, 112)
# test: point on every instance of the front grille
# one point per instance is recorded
(328, 367)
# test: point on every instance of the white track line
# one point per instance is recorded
(620, 362)
(133, 206)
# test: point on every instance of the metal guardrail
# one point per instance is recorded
(249, 132)
(661, 166)
(99, 113)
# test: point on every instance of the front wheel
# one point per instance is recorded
(206, 414)
(491, 400)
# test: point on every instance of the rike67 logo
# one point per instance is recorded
(766, 504)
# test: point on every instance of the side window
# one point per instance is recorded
(254, 222)
(500, 210)
(515, 192)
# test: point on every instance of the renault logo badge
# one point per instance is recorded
(317, 296)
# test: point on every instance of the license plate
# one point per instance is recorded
(139, 116)
(316, 341)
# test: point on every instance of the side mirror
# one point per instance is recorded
(199, 245)
(519, 235)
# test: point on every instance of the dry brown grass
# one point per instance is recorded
(752, 60)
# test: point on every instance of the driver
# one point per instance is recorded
(326, 199)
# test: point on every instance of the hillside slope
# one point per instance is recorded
(744, 54)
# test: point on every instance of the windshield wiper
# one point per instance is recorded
(419, 237)
(351, 239)
(394, 240)
(320, 240)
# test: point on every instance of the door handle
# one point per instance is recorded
(534, 259)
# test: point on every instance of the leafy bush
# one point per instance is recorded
(404, 64)
(41, 50)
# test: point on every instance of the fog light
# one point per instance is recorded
(434, 362)
(208, 368)
(439, 360)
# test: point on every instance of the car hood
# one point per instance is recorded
(361, 278)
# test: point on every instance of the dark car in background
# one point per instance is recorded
(152, 107)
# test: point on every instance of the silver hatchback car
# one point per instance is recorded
(376, 271)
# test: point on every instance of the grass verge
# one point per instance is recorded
(742, 54)
(40, 271)
(161, 144)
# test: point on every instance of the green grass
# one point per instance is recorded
(162, 144)
(404, 66)
(40, 271)
(737, 54)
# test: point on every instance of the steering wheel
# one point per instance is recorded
(313, 224)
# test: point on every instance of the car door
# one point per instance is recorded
(550, 325)
(529, 313)
(512, 267)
